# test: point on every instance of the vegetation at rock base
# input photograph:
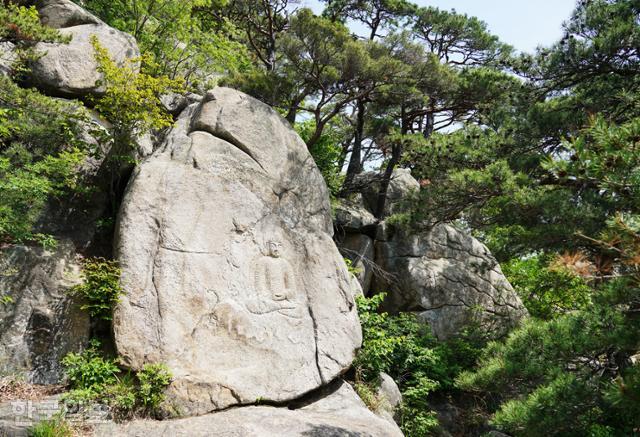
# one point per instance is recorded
(54, 427)
(94, 378)
(406, 350)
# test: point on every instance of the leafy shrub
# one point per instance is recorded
(154, 378)
(89, 370)
(21, 26)
(178, 38)
(406, 350)
(101, 287)
(131, 101)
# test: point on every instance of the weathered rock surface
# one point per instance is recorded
(7, 58)
(390, 398)
(64, 13)
(341, 413)
(449, 277)
(71, 69)
(39, 322)
(352, 216)
(231, 276)
(359, 249)
(400, 186)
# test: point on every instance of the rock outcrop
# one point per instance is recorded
(39, 322)
(390, 398)
(448, 277)
(64, 13)
(7, 58)
(445, 275)
(71, 69)
(339, 413)
(400, 186)
(230, 272)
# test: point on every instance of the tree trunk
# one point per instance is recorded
(386, 179)
(355, 162)
(396, 154)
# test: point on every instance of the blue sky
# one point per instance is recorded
(524, 24)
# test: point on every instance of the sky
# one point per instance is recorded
(524, 24)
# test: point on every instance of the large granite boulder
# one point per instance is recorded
(340, 413)
(447, 276)
(230, 272)
(71, 69)
(39, 322)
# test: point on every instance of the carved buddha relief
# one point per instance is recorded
(275, 294)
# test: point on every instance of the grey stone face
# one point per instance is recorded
(39, 322)
(352, 216)
(71, 69)
(390, 398)
(400, 185)
(359, 249)
(340, 413)
(449, 278)
(8, 58)
(231, 276)
(64, 13)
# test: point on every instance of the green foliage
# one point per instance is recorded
(326, 152)
(131, 101)
(94, 378)
(568, 375)
(101, 287)
(179, 39)
(40, 151)
(54, 427)
(21, 26)
(406, 350)
(5, 299)
(154, 378)
(350, 267)
(547, 291)
(88, 370)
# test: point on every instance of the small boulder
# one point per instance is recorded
(390, 398)
(400, 186)
(71, 69)
(8, 58)
(64, 13)
(350, 215)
